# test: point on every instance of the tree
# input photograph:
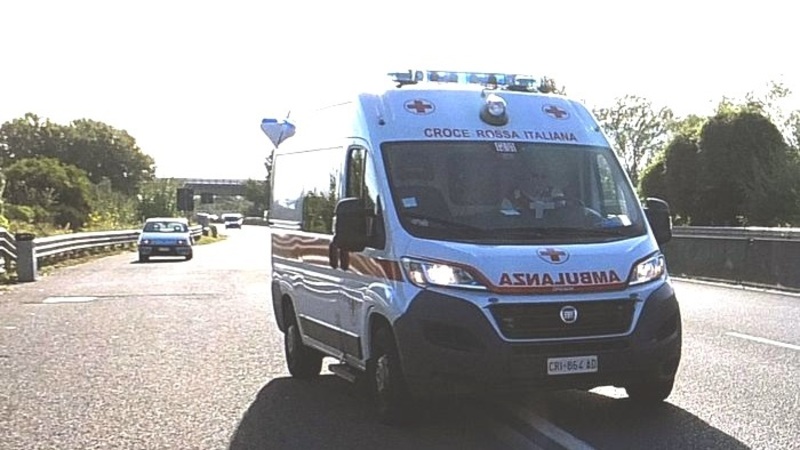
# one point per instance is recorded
(59, 192)
(653, 182)
(268, 188)
(3, 219)
(111, 210)
(636, 130)
(29, 137)
(107, 153)
(748, 175)
(158, 198)
(102, 151)
(256, 193)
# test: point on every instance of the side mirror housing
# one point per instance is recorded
(657, 212)
(350, 225)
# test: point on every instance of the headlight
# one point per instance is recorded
(144, 242)
(181, 242)
(650, 269)
(427, 273)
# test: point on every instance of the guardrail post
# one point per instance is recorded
(26, 257)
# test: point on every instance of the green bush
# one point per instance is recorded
(20, 213)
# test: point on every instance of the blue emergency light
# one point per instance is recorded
(492, 80)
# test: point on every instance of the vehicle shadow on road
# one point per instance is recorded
(160, 260)
(329, 413)
(618, 423)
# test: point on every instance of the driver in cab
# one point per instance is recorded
(534, 196)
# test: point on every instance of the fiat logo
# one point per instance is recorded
(568, 314)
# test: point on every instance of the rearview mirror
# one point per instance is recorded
(350, 225)
(658, 216)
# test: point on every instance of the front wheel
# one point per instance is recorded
(303, 362)
(650, 392)
(387, 384)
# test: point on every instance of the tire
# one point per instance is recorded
(143, 258)
(387, 385)
(188, 257)
(650, 392)
(303, 362)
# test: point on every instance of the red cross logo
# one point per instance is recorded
(419, 106)
(553, 255)
(555, 111)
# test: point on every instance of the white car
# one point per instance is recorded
(233, 220)
(165, 236)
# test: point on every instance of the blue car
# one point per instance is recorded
(165, 236)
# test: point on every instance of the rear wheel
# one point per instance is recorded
(387, 384)
(303, 362)
(650, 392)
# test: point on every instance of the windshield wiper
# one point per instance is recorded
(443, 222)
(568, 231)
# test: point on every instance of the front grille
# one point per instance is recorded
(543, 320)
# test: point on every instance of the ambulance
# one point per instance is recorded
(466, 233)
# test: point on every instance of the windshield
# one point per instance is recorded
(509, 192)
(165, 227)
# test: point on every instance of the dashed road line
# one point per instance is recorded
(522, 428)
(763, 340)
(51, 300)
(549, 429)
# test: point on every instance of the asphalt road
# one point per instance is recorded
(114, 354)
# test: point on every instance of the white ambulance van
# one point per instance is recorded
(444, 237)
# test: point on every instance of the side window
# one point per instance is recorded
(613, 200)
(355, 172)
(362, 183)
(359, 184)
(305, 188)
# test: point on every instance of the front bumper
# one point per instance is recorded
(447, 345)
(165, 250)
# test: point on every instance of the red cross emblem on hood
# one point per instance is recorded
(553, 255)
(555, 112)
(419, 106)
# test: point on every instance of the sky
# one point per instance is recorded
(191, 80)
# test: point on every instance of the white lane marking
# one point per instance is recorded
(9, 327)
(763, 340)
(548, 429)
(511, 438)
(50, 300)
(610, 391)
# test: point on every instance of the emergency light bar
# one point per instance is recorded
(515, 82)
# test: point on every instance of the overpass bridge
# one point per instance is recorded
(227, 187)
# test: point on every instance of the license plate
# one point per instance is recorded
(163, 249)
(572, 364)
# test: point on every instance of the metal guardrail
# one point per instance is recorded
(28, 253)
(8, 250)
(735, 233)
(57, 245)
(748, 256)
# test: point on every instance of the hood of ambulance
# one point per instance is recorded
(452, 112)
(534, 268)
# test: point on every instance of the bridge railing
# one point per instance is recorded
(24, 252)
